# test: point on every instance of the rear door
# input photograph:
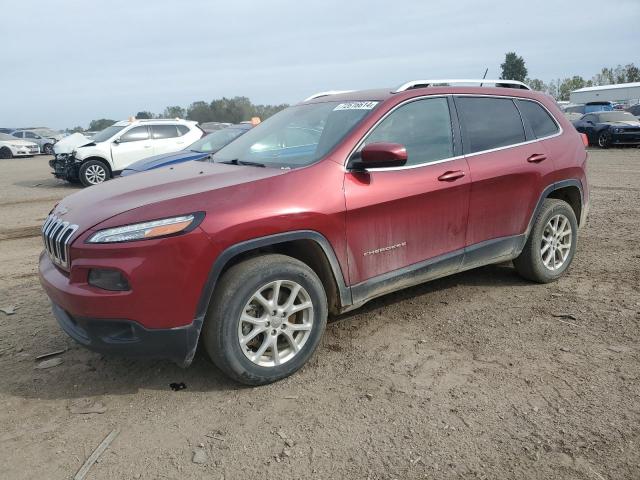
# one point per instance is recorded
(401, 216)
(133, 145)
(508, 167)
(166, 139)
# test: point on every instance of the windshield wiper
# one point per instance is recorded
(235, 161)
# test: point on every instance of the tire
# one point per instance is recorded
(5, 153)
(544, 265)
(47, 149)
(604, 139)
(235, 297)
(93, 172)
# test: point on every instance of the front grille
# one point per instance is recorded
(56, 235)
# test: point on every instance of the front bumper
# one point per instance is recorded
(129, 338)
(626, 138)
(157, 317)
(65, 167)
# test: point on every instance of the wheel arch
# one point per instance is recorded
(308, 246)
(570, 191)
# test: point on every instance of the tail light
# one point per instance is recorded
(585, 139)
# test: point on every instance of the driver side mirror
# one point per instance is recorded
(379, 155)
(117, 141)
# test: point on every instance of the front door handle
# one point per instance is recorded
(451, 175)
(537, 158)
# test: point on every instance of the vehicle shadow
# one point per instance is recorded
(89, 374)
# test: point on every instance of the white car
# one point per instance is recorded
(118, 146)
(11, 146)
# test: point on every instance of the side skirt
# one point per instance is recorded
(485, 253)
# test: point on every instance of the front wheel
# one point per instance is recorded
(267, 316)
(5, 152)
(551, 244)
(604, 139)
(93, 172)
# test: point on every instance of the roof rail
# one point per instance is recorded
(481, 82)
(324, 94)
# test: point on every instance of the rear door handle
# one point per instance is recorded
(537, 158)
(451, 175)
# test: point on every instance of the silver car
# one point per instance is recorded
(45, 143)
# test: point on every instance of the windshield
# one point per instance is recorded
(216, 140)
(297, 136)
(106, 134)
(617, 117)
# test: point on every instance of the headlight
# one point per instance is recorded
(147, 230)
(618, 130)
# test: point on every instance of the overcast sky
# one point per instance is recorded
(65, 63)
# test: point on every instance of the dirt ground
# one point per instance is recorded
(479, 375)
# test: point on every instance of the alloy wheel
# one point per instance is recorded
(95, 174)
(557, 237)
(275, 323)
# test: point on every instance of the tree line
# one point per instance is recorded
(226, 110)
(514, 68)
(238, 109)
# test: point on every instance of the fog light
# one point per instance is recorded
(108, 279)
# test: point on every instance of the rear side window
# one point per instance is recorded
(17, 134)
(538, 118)
(423, 127)
(182, 130)
(489, 123)
(135, 134)
(164, 131)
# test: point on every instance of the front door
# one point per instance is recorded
(397, 218)
(133, 145)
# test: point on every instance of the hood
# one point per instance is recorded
(18, 141)
(98, 203)
(67, 144)
(629, 123)
(158, 161)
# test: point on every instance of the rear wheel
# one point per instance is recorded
(5, 152)
(267, 316)
(47, 149)
(551, 244)
(93, 172)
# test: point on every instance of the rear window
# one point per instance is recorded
(538, 118)
(489, 123)
(164, 131)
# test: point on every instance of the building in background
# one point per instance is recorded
(628, 93)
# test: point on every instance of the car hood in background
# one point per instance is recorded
(629, 123)
(67, 144)
(158, 161)
(98, 203)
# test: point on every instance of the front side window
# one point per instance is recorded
(164, 131)
(135, 134)
(538, 118)
(489, 123)
(422, 126)
(30, 135)
(297, 136)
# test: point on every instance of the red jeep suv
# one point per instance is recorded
(330, 203)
